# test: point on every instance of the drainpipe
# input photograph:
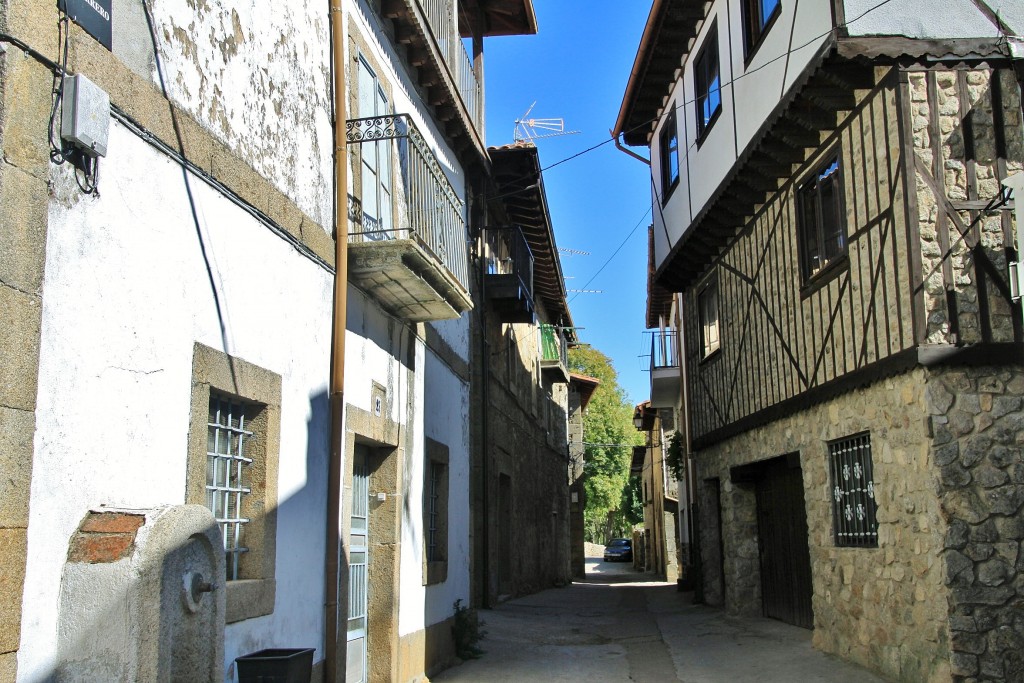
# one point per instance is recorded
(337, 379)
(624, 150)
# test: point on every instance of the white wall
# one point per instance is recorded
(925, 18)
(434, 402)
(127, 294)
(256, 75)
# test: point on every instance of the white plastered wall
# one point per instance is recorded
(434, 402)
(127, 295)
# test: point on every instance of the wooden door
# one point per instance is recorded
(785, 556)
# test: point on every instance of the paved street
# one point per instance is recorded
(618, 626)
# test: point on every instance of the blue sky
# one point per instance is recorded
(576, 69)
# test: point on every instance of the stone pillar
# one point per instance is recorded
(25, 87)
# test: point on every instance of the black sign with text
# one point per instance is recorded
(92, 15)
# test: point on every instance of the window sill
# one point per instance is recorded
(249, 598)
(667, 192)
(838, 265)
(711, 357)
(710, 124)
(437, 572)
(752, 48)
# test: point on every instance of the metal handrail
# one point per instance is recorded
(554, 346)
(429, 210)
(663, 349)
(444, 27)
(508, 253)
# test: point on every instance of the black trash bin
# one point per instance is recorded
(276, 665)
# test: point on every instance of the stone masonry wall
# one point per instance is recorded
(886, 607)
(977, 424)
(955, 138)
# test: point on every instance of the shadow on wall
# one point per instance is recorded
(143, 591)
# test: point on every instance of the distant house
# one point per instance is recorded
(581, 389)
(521, 500)
(830, 219)
(655, 547)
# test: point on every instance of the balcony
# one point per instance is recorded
(554, 360)
(429, 31)
(509, 276)
(408, 246)
(666, 382)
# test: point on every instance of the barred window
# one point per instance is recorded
(227, 474)
(233, 436)
(433, 509)
(853, 492)
(435, 513)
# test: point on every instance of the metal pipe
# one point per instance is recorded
(618, 146)
(339, 315)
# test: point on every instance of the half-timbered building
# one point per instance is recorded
(830, 214)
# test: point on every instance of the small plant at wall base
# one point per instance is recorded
(674, 455)
(467, 632)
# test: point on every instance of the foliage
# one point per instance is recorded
(674, 455)
(631, 508)
(466, 632)
(608, 423)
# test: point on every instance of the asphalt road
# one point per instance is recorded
(621, 626)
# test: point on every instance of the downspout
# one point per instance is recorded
(624, 150)
(696, 563)
(485, 454)
(339, 315)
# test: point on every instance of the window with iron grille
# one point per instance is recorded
(707, 83)
(433, 509)
(853, 492)
(233, 438)
(227, 474)
(435, 513)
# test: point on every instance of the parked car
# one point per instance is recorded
(619, 549)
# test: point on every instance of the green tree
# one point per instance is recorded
(608, 427)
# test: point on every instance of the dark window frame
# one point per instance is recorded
(705, 74)
(820, 197)
(668, 144)
(756, 25)
(854, 509)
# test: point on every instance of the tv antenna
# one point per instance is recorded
(529, 129)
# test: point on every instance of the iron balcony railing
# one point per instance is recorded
(444, 27)
(427, 209)
(663, 349)
(554, 347)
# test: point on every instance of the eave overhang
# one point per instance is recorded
(433, 76)
(497, 18)
(659, 299)
(585, 385)
(671, 28)
(520, 189)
